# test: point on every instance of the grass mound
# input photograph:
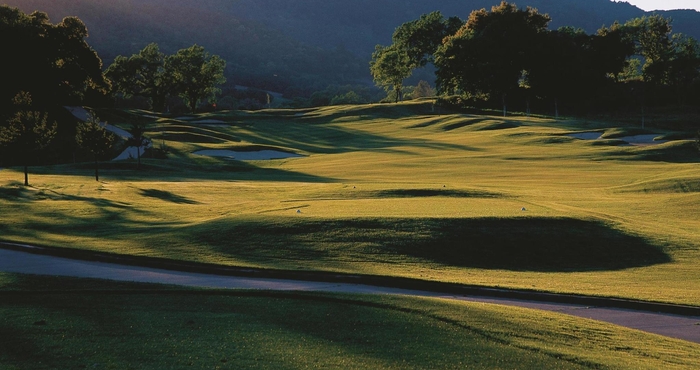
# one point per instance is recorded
(528, 244)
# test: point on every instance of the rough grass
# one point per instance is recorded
(74, 323)
(389, 190)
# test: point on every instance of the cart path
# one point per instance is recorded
(675, 326)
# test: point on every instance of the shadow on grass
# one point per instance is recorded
(166, 196)
(186, 169)
(18, 193)
(424, 193)
(523, 244)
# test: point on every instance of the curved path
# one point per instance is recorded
(672, 325)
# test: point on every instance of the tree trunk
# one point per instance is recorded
(138, 156)
(505, 108)
(193, 104)
(97, 171)
(26, 176)
(527, 104)
(556, 108)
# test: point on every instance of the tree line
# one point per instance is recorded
(508, 54)
(50, 66)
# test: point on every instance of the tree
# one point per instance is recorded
(389, 67)
(92, 136)
(138, 140)
(684, 65)
(571, 64)
(196, 74)
(652, 38)
(53, 63)
(487, 55)
(420, 38)
(143, 74)
(27, 132)
(422, 90)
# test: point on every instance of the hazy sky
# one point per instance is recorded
(666, 4)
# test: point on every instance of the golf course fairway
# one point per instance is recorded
(397, 190)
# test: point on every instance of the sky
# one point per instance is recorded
(665, 4)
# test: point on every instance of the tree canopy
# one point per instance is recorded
(27, 132)
(192, 74)
(144, 74)
(51, 62)
(196, 74)
(510, 53)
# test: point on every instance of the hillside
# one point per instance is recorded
(302, 45)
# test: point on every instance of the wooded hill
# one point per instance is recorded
(300, 46)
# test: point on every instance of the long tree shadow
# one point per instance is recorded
(527, 244)
(166, 196)
(183, 170)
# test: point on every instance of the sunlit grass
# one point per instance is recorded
(381, 185)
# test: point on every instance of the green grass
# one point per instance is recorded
(390, 190)
(79, 323)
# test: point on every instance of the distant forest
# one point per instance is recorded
(299, 47)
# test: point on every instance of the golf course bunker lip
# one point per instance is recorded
(252, 155)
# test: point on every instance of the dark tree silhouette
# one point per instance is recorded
(92, 136)
(27, 132)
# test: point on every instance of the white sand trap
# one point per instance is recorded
(586, 135)
(210, 121)
(149, 116)
(257, 155)
(643, 140)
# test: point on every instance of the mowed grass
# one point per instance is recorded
(80, 323)
(394, 190)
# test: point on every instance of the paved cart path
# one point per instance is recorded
(676, 326)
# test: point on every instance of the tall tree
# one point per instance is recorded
(389, 67)
(652, 38)
(94, 137)
(143, 74)
(27, 132)
(487, 56)
(420, 38)
(196, 74)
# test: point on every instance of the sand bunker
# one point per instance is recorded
(586, 135)
(636, 140)
(641, 140)
(256, 155)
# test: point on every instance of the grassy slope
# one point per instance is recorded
(391, 190)
(80, 323)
